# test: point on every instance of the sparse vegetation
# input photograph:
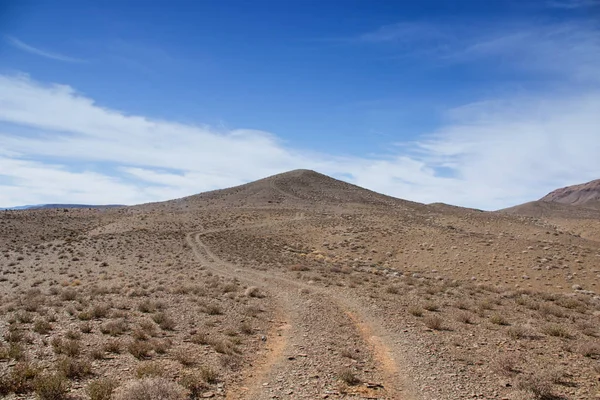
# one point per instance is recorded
(348, 377)
(151, 389)
(101, 389)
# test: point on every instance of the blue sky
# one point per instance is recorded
(475, 103)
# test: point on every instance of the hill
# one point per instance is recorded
(301, 286)
(585, 194)
(297, 188)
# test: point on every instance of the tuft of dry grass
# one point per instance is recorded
(433, 322)
(195, 384)
(498, 319)
(506, 365)
(416, 311)
(51, 387)
(149, 369)
(589, 349)
(431, 306)
(557, 330)
(42, 327)
(348, 377)
(209, 375)
(464, 317)
(21, 378)
(536, 386)
(165, 322)
(184, 356)
(139, 349)
(101, 389)
(73, 368)
(113, 346)
(151, 389)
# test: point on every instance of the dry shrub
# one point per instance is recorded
(73, 368)
(86, 327)
(232, 362)
(431, 306)
(194, 383)
(223, 347)
(97, 354)
(550, 309)
(185, 356)
(101, 389)
(213, 309)
(209, 375)
(433, 322)
(538, 387)
(506, 365)
(164, 321)
(393, 289)
(113, 346)
(161, 346)
(246, 328)
(416, 311)
(71, 348)
(517, 332)
(68, 295)
(590, 349)
(253, 291)
(139, 349)
(151, 389)
(114, 328)
(149, 369)
(200, 338)
(147, 306)
(100, 311)
(348, 377)
(51, 387)
(42, 327)
(21, 377)
(498, 319)
(73, 335)
(464, 317)
(557, 330)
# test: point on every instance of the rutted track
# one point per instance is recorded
(299, 362)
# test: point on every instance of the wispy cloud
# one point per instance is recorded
(573, 4)
(488, 154)
(570, 49)
(43, 53)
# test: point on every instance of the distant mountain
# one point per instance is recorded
(42, 206)
(585, 194)
(577, 201)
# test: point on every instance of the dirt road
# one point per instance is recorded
(321, 338)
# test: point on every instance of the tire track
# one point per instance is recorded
(289, 333)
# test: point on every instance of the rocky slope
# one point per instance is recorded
(583, 195)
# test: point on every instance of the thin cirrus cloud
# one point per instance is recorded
(19, 44)
(573, 4)
(60, 146)
(493, 153)
(569, 50)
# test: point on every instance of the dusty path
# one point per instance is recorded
(316, 333)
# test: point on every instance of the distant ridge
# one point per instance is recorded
(577, 201)
(43, 206)
(585, 194)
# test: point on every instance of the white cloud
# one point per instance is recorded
(57, 145)
(39, 52)
(497, 153)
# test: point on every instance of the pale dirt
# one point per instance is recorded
(419, 302)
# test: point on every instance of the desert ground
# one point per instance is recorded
(299, 286)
